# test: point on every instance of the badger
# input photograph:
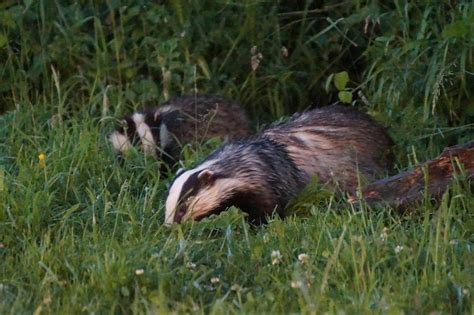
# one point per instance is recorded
(162, 131)
(261, 174)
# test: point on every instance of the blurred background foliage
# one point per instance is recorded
(410, 63)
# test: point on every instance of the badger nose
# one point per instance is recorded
(178, 217)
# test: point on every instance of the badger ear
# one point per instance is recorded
(156, 116)
(206, 176)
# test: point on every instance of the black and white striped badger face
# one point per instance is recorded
(195, 193)
(205, 190)
(145, 130)
(211, 188)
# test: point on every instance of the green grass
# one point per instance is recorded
(84, 234)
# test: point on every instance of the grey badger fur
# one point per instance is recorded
(162, 131)
(262, 173)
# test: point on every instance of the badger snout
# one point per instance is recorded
(179, 215)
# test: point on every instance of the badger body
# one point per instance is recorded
(261, 174)
(162, 131)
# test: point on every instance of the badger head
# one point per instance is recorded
(145, 129)
(206, 190)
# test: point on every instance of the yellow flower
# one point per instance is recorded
(42, 160)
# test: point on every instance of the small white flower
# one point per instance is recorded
(303, 258)
(453, 242)
(139, 272)
(191, 265)
(54, 120)
(254, 62)
(398, 249)
(384, 234)
(255, 58)
(465, 292)
(195, 307)
(276, 257)
(236, 288)
(296, 284)
(47, 300)
(215, 280)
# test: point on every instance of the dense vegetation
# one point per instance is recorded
(81, 233)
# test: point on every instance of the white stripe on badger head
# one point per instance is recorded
(176, 188)
(165, 108)
(165, 138)
(146, 136)
(162, 110)
(119, 142)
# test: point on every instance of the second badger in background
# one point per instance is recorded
(162, 131)
(261, 174)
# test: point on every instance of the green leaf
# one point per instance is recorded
(470, 109)
(456, 29)
(125, 291)
(3, 40)
(383, 39)
(345, 96)
(7, 18)
(204, 67)
(341, 79)
(328, 82)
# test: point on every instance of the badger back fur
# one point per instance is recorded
(335, 143)
(162, 131)
(261, 174)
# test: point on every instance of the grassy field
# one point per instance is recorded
(80, 233)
